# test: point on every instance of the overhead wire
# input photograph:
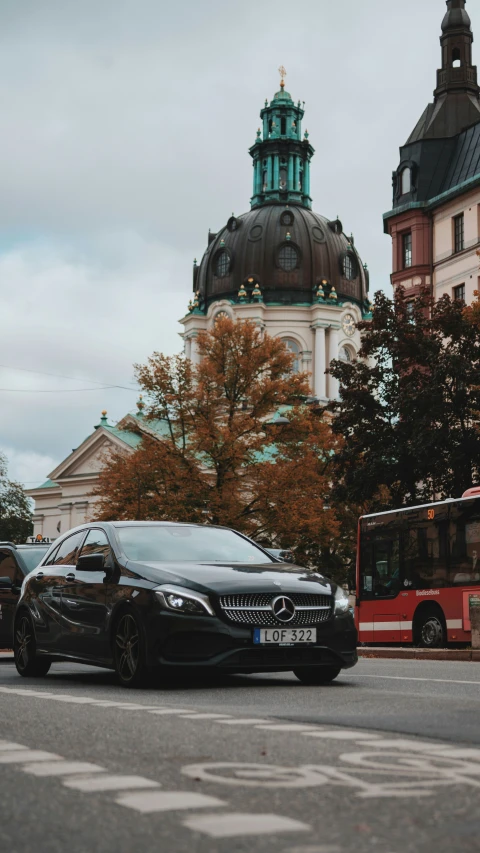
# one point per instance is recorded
(63, 376)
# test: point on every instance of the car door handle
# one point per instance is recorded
(72, 603)
(70, 576)
(39, 575)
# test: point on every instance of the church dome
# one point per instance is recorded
(288, 250)
(280, 249)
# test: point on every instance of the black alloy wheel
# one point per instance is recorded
(129, 654)
(431, 632)
(24, 649)
(317, 674)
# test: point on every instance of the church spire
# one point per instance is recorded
(281, 158)
(457, 74)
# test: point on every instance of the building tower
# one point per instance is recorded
(291, 271)
(435, 220)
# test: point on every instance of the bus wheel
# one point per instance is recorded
(430, 629)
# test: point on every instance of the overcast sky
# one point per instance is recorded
(124, 131)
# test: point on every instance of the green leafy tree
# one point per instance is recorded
(15, 509)
(408, 409)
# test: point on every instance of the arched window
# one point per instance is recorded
(283, 179)
(283, 126)
(295, 350)
(288, 258)
(406, 180)
(345, 354)
(222, 267)
(349, 268)
(456, 58)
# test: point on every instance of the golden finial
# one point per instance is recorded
(104, 412)
(283, 73)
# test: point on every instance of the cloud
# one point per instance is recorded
(125, 129)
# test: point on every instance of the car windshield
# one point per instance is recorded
(32, 556)
(188, 544)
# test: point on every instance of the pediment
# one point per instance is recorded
(88, 459)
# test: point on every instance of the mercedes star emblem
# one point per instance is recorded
(283, 608)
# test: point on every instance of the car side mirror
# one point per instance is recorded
(91, 563)
(286, 557)
(5, 583)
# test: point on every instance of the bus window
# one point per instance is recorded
(425, 554)
(380, 570)
(465, 544)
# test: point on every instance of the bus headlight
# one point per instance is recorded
(341, 602)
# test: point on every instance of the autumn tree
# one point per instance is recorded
(15, 509)
(408, 407)
(210, 454)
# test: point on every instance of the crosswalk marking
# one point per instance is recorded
(91, 784)
(21, 756)
(204, 716)
(166, 801)
(165, 711)
(341, 735)
(5, 746)
(252, 721)
(240, 823)
(62, 768)
(287, 727)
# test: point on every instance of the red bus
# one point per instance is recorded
(416, 568)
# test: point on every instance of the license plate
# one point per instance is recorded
(284, 636)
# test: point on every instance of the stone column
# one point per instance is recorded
(290, 173)
(320, 380)
(332, 354)
(306, 178)
(276, 172)
(297, 174)
(194, 354)
(188, 347)
(269, 173)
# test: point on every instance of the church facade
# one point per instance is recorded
(294, 273)
(435, 220)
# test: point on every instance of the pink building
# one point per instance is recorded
(435, 220)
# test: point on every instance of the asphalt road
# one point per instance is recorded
(386, 759)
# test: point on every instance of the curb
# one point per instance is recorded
(6, 657)
(420, 654)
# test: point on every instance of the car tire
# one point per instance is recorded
(431, 630)
(129, 651)
(25, 648)
(317, 674)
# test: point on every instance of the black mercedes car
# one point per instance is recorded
(140, 597)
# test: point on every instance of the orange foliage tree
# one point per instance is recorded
(217, 459)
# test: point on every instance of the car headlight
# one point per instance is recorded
(341, 602)
(182, 600)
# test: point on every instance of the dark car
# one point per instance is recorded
(16, 561)
(144, 596)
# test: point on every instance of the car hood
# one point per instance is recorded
(224, 578)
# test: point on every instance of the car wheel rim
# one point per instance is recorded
(23, 639)
(432, 632)
(126, 643)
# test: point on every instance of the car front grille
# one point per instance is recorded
(255, 608)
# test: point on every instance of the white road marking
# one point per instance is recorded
(403, 744)
(62, 768)
(342, 735)
(165, 711)
(167, 801)
(127, 707)
(315, 848)
(204, 716)
(287, 727)
(239, 823)
(245, 722)
(20, 756)
(453, 752)
(411, 678)
(109, 783)
(5, 746)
